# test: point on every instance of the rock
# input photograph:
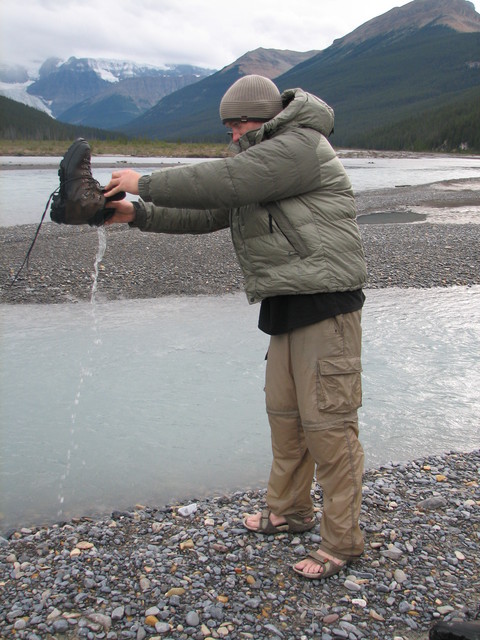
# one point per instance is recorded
(192, 619)
(352, 586)
(60, 625)
(400, 576)
(118, 613)
(273, 629)
(392, 552)
(330, 618)
(376, 616)
(187, 544)
(436, 502)
(84, 545)
(445, 609)
(359, 602)
(176, 591)
(188, 510)
(404, 606)
(20, 624)
(101, 619)
(145, 584)
(53, 615)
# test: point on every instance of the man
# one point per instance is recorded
(290, 208)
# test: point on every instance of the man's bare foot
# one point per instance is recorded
(253, 522)
(319, 565)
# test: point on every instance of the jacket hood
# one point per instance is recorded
(301, 109)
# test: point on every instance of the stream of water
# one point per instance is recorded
(157, 400)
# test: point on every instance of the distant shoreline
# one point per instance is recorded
(140, 148)
(196, 152)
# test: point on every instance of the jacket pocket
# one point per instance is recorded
(339, 384)
(286, 228)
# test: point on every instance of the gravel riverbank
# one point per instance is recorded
(144, 265)
(152, 573)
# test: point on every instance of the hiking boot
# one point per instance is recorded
(80, 199)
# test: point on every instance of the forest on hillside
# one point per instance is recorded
(454, 127)
(20, 122)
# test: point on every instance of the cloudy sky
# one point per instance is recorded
(207, 33)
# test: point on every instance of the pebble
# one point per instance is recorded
(432, 503)
(359, 602)
(192, 619)
(209, 578)
(352, 586)
(400, 576)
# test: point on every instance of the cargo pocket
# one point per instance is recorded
(339, 384)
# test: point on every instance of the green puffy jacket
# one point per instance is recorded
(286, 198)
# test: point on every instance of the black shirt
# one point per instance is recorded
(281, 314)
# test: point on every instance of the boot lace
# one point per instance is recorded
(32, 244)
(92, 186)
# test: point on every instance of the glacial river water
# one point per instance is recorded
(152, 401)
(106, 404)
(26, 182)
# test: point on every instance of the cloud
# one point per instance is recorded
(207, 33)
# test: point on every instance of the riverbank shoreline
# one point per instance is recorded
(151, 572)
(416, 236)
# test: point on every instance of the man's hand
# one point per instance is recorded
(125, 180)
(124, 211)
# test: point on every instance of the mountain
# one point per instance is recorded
(14, 82)
(96, 92)
(406, 63)
(192, 112)
(124, 101)
(408, 79)
(454, 14)
(401, 65)
(18, 91)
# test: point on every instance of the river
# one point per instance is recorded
(104, 405)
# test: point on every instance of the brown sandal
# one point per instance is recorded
(329, 568)
(293, 524)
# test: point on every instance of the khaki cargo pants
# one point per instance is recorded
(313, 390)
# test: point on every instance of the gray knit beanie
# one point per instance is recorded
(251, 98)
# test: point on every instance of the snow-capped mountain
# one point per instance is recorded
(18, 91)
(74, 90)
(14, 83)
